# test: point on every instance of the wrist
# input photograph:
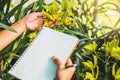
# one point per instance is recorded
(20, 26)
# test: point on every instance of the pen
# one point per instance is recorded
(73, 65)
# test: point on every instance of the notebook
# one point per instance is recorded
(36, 61)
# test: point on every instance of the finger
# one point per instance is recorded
(69, 62)
(41, 22)
(57, 61)
(44, 17)
(40, 15)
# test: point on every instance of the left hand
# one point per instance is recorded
(34, 20)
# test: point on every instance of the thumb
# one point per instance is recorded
(58, 61)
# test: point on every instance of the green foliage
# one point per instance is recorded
(6, 27)
(99, 39)
(98, 53)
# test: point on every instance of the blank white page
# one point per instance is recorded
(36, 62)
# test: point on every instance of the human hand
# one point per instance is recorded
(34, 20)
(64, 73)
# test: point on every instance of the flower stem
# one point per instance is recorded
(106, 67)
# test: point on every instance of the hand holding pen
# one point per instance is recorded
(64, 72)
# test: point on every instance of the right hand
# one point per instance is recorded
(62, 72)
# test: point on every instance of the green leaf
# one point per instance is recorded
(40, 5)
(35, 5)
(8, 61)
(6, 27)
(12, 12)
(16, 44)
(78, 55)
(75, 33)
(26, 9)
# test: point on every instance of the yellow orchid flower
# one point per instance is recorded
(115, 53)
(32, 35)
(91, 47)
(69, 21)
(115, 74)
(89, 76)
(59, 14)
(112, 49)
(93, 67)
